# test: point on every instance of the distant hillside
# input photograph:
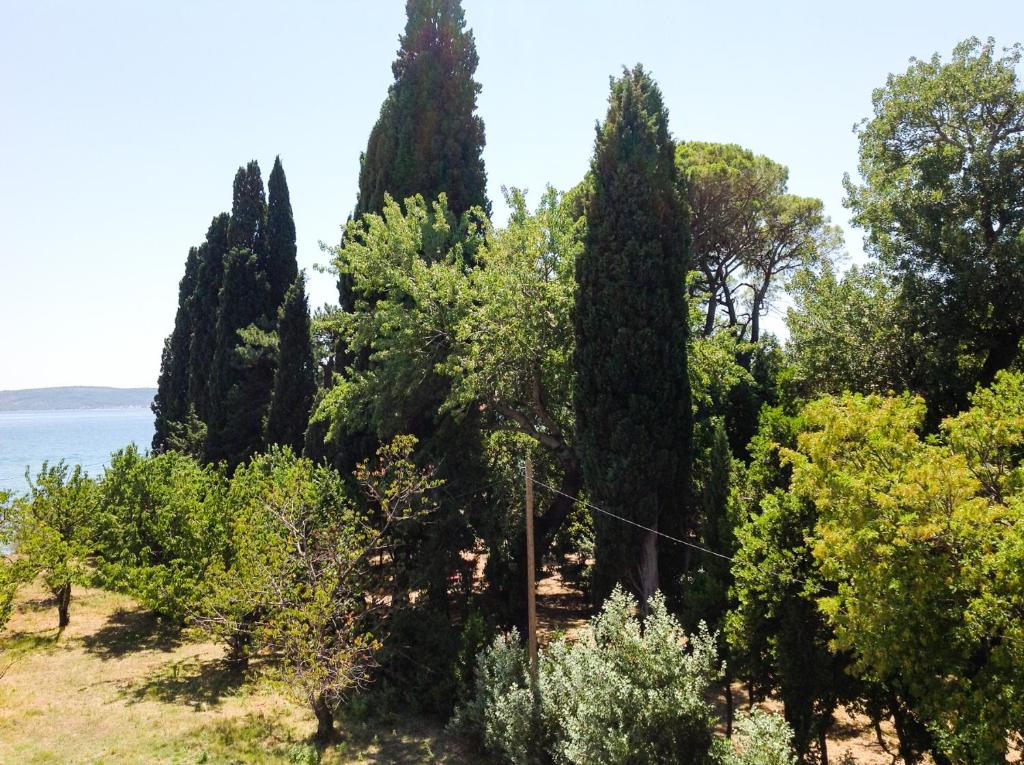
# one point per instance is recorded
(74, 397)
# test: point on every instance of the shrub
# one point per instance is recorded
(761, 738)
(630, 690)
(161, 529)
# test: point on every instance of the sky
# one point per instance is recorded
(122, 125)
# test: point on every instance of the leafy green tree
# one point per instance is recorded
(205, 308)
(281, 266)
(159, 529)
(924, 539)
(847, 333)
(749, 233)
(942, 200)
(295, 374)
(428, 139)
(301, 583)
(171, 402)
(488, 325)
(243, 374)
(632, 397)
(54, 531)
(10, 571)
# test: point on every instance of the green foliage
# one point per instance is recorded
(161, 529)
(501, 714)
(10, 573)
(777, 636)
(53, 529)
(428, 139)
(925, 541)
(847, 333)
(631, 395)
(301, 584)
(761, 739)
(942, 201)
(295, 373)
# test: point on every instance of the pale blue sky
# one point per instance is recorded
(123, 123)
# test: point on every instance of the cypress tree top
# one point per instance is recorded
(281, 266)
(171, 400)
(248, 209)
(428, 138)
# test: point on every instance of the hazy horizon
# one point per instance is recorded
(130, 120)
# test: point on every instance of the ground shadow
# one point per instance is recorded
(130, 630)
(34, 605)
(404, 742)
(190, 681)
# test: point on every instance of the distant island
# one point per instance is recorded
(75, 397)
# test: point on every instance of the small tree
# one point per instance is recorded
(8, 571)
(53, 529)
(301, 584)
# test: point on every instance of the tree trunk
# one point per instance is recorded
(239, 643)
(822, 745)
(728, 708)
(63, 594)
(324, 720)
(1001, 354)
(648, 568)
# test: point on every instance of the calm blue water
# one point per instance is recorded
(84, 437)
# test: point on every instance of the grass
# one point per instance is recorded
(117, 686)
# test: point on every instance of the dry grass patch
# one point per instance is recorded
(120, 687)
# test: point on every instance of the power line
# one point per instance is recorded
(677, 540)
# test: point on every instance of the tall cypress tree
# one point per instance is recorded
(242, 372)
(632, 397)
(428, 138)
(241, 378)
(295, 377)
(281, 265)
(205, 305)
(171, 400)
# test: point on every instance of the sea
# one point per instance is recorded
(85, 437)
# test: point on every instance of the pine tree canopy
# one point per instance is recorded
(428, 138)
(632, 396)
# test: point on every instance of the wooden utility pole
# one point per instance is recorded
(531, 596)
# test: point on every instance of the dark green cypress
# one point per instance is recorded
(295, 377)
(632, 396)
(206, 301)
(281, 265)
(241, 377)
(428, 138)
(171, 400)
(248, 210)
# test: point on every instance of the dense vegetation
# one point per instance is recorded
(836, 521)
